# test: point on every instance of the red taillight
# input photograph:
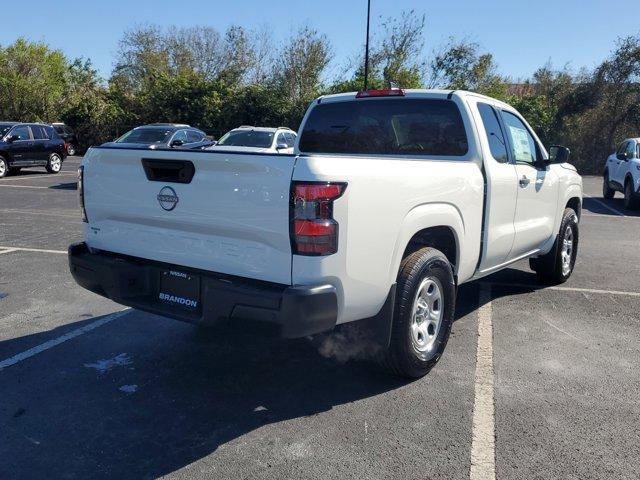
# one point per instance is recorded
(313, 229)
(386, 92)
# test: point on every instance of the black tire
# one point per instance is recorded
(631, 200)
(4, 167)
(54, 165)
(550, 268)
(71, 149)
(404, 357)
(607, 191)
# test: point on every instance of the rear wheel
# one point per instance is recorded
(423, 316)
(630, 197)
(607, 191)
(557, 265)
(71, 149)
(54, 164)
(4, 167)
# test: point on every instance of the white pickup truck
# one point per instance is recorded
(390, 200)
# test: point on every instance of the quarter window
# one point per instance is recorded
(523, 146)
(493, 130)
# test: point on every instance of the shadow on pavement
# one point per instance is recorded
(195, 390)
(595, 205)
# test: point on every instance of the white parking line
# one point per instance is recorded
(22, 249)
(483, 455)
(9, 250)
(46, 214)
(35, 177)
(20, 186)
(57, 341)
(563, 289)
(611, 209)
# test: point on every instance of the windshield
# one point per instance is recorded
(247, 138)
(401, 126)
(145, 136)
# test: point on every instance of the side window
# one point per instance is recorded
(622, 148)
(193, 136)
(181, 135)
(37, 132)
(22, 132)
(495, 136)
(291, 139)
(282, 139)
(523, 146)
(631, 150)
(51, 133)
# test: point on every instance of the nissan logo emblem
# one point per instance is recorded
(167, 198)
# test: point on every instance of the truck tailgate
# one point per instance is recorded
(232, 217)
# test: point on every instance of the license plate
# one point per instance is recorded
(179, 289)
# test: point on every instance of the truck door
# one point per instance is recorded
(537, 187)
(501, 188)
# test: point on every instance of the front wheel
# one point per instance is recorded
(423, 316)
(4, 167)
(54, 164)
(557, 265)
(607, 191)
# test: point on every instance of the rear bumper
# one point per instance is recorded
(289, 311)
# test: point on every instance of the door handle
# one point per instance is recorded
(524, 181)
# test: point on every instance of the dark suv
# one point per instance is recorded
(69, 136)
(30, 145)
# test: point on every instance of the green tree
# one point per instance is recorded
(32, 81)
(460, 65)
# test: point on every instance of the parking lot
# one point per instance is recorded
(89, 390)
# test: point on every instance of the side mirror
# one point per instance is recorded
(177, 143)
(281, 146)
(12, 138)
(622, 156)
(558, 154)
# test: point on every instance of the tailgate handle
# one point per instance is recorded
(175, 171)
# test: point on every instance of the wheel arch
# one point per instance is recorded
(575, 203)
(433, 225)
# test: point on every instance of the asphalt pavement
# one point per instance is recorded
(535, 382)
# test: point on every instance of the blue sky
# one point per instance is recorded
(522, 35)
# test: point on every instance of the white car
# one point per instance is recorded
(390, 200)
(257, 140)
(622, 173)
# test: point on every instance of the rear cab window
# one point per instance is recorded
(394, 126)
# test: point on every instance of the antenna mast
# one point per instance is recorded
(366, 49)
